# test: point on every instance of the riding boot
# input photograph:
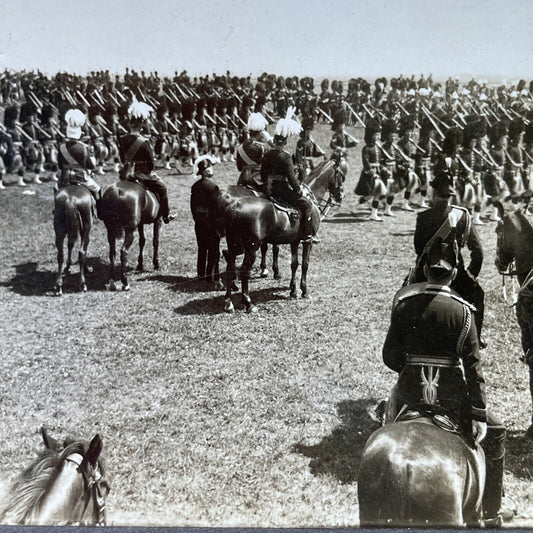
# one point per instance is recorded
(96, 205)
(494, 447)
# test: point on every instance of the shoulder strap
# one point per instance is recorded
(248, 160)
(451, 221)
(68, 156)
(134, 148)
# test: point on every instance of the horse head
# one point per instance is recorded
(65, 485)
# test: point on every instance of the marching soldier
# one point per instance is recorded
(306, 149)
(138, 159)
(277, 171)
(13, 156)
(433, 344)
(33, 156)
(371, 184)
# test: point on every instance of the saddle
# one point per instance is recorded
(291, 211)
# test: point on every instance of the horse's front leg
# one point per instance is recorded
(263, 267)
(70, 246)
(275, 258)
(142, 241)
(60, 260)
(246, 268)
(213, 258)
(230, 279)
(157, 232)
(306, 252)
(128, 241)
(294, 268)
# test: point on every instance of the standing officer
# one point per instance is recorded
(451, 223)
(433, 344)
(277, 171)
(138, 159)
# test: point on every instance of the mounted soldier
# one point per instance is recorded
(451, 223)
(306, 149)
(277, 171)
(433, 344)
(76, 159)
(250, 153)
(138, 159)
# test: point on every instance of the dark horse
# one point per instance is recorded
(250, 222)
(127, 206)
(515, 244)
(72, 219)
(415, 474)
(65, 485)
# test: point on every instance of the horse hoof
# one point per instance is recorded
(252, 309)
(59, 291)
(277, 275)
(83, 288)
(111, 286)
(264, 273)
(304, 295)
(228, 307)
(293, 295)
(140, 268)
(156, 266)
(126, 287)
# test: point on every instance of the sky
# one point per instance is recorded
(316, 38)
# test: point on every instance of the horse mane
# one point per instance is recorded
(29, 488)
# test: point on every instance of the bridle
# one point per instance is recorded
(96, 488)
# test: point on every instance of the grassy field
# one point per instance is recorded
(210, 419)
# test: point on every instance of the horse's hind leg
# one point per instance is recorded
(157, 232)
(305, 266)
(70, 247)
(142, 241)
(230, 279)
(263, 268)
(213, 258)
(111, 238)
(126, 245)
(294, 268)
(246, 268)
(275, 257)
(83, 260)
(60, 260)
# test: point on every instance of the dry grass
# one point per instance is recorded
(214, 419)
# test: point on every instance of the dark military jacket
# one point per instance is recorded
(429, 221)
(249, 157)
(431, 334)
(143, 156)
(201, 194)
(277, 171)
(74, 158)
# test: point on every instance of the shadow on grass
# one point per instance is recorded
(519, 455)
(339, 454)
(215, 304)
(30, 281)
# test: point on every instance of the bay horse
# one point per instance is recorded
(65, 485)
(127, 206)
(250, 222)
(72, 219)
(514, 244)
(415, 474)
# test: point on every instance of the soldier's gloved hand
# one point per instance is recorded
(479, 430)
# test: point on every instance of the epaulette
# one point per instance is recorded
(413, 289)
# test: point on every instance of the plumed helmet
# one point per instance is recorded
(139, 110)
(256, 122)
(287, 126)
(372, 127)
(75, 119)
(202, 163)
(442, 258)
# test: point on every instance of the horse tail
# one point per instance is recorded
(73, 221)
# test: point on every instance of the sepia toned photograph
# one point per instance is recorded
(266, 264)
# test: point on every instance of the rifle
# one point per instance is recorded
(389, 157)
(416, 146)
(168, 121)
(356, 141)
(436, 144)
(358, 118)
(84, 100)
(433, 123)
(325, 114)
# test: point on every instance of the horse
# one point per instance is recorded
(415, 474)
(127, 206)
(72, 219)
(515, 244)
(249, 222)
(66, 484)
